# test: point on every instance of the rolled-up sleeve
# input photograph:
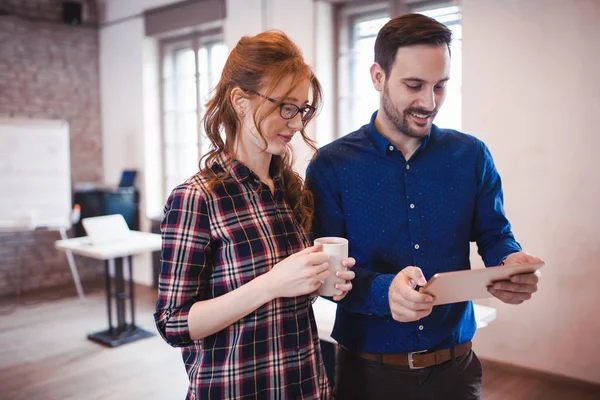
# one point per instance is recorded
(185, 262)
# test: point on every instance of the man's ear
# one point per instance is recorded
(240, 101)
(377, 76)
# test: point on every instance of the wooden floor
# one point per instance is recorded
(44, 355)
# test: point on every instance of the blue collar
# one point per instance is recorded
(382, 144)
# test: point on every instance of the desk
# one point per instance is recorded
(324, 311)
(115, 256)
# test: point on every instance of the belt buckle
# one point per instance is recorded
(411, 364)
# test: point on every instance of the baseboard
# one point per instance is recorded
(564, 380)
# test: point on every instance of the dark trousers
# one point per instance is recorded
(360, 379)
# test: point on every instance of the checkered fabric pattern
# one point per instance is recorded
(214, 241)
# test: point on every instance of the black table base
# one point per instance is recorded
(114, 338)
(124, 332)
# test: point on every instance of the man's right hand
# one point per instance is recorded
(406, 303)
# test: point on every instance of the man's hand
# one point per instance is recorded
(406, 303)
(520, 287)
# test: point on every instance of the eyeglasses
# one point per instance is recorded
(290, 110)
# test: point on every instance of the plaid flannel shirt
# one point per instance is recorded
(214, 241)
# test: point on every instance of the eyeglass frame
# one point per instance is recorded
(282, 104)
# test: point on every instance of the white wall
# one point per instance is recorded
(121, 94)
(129, 89)
(531, 92)
(325, 62)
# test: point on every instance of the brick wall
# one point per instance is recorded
(50, 70)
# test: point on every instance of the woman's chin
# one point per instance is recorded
(278, 150)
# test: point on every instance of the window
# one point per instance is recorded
(357, 97)
(449, 115)
(191, 68)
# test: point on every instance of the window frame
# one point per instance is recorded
(194, 41)
(346, 15)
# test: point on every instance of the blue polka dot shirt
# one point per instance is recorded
(395, 213)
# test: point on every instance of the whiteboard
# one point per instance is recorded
(35, 174)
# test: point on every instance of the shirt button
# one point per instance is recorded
(391, 148)
(407, 166)
(412, 206)
(417, 246)
(420, 327)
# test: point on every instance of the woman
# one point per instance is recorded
(236, 271)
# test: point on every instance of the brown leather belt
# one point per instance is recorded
(416, 359)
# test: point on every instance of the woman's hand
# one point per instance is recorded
(346, 275)
(299, 274)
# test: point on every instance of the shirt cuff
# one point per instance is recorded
(172, 325)
(379, 294)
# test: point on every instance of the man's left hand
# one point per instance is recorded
(520, 287)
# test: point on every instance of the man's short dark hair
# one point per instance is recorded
(407, 30)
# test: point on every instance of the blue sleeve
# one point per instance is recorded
(369, 294)
(491, 229)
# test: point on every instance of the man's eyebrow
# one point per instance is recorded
(419, 80)
(414, 80)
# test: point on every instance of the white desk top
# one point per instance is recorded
(139, 242)
(325, 317)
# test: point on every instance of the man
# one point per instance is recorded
(410, 197)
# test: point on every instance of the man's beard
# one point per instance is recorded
(400, 121)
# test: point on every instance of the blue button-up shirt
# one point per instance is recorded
(424, 212)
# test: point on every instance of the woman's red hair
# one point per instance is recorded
(259, 63)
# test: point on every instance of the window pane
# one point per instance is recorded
(189, 158)
(443, 14)
(450, 114)
(189, 129)
(168, 67)
(203, 87)
(185, 62)
(204, 145)
(171, 183)
(218, 56)
(181, 162)
(168, 95)
(169, 128)
(191, 76)
(186, 93)
(370, 27)
(171, 160)
(365, 99)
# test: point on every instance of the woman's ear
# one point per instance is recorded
(240, 101)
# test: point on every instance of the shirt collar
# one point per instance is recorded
(382, 144)
(239, 171)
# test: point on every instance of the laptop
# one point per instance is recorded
(106, 229)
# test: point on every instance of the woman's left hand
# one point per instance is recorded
(346, 275)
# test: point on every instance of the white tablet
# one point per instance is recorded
(472, 284)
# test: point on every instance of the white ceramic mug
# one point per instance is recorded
(337, 249)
